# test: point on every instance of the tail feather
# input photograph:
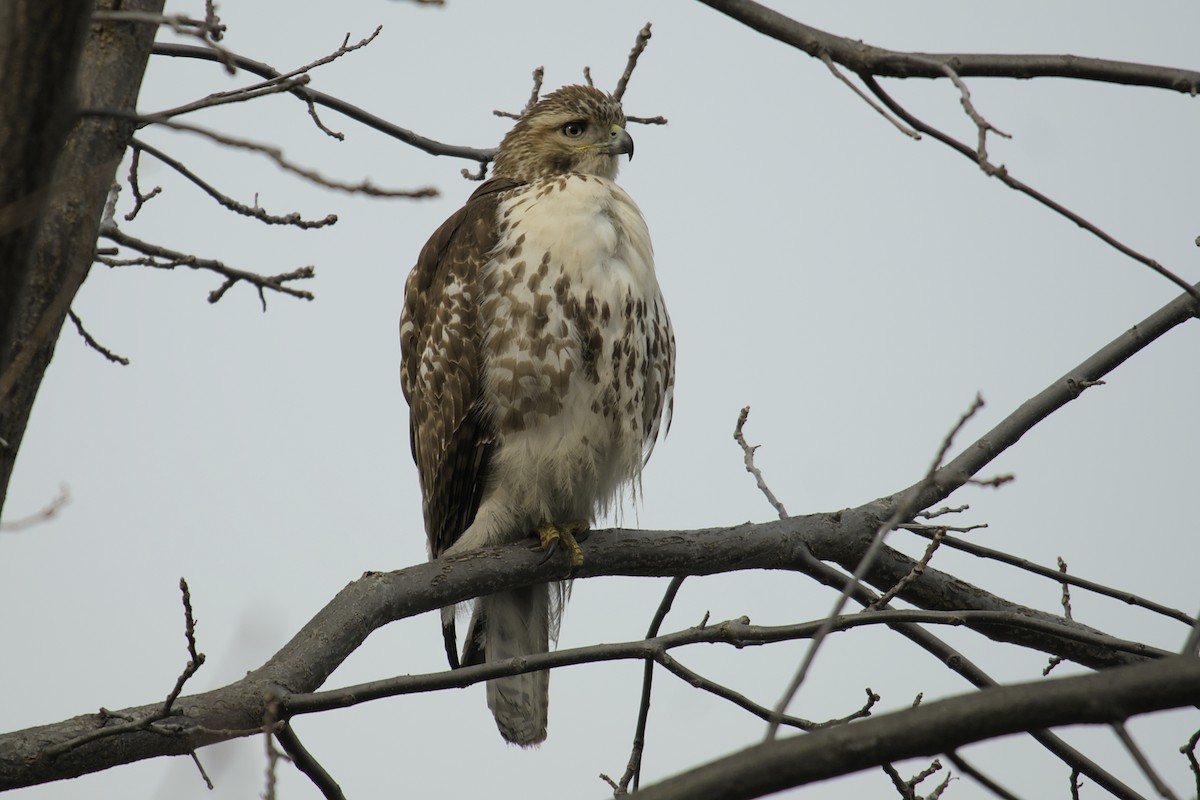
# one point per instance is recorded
(517, 624)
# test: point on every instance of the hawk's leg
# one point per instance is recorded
(563, 533)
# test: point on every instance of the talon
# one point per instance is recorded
(563, 534)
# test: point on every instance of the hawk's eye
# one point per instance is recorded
(575, 129)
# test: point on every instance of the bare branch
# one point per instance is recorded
(883, 112)
(748, 457)
(1003, 175)
(639, 45)
(139, 199)
(208, 30)
(143, 720)
(242, 95)
(1189, 752)
(1143, 763)
(306, 763)
(50, 511)
(908, 788)
(92, 343)
(200, 768)
(1066, 590)
(285, 82)
(272, 152)
(228, 202)
(538, 74)
(633, 770)
(646, 120)
(904, 509)
(423, 143)
(944, 724)
(1061, 577)
(966, 768)
(913, 574)
(478, 175)
(866, 59)
(195, 660)
(165, 258)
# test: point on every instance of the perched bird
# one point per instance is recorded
(537, 359)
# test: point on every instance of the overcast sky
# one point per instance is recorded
(855, 287)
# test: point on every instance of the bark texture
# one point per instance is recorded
(55, 172)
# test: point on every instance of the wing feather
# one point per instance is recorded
(441, 347)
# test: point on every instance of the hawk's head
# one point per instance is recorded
(575, 129)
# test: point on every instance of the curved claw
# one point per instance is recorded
(563, 534)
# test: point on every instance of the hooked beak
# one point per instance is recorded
(620, 142)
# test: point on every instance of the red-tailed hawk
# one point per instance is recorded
(538, 361)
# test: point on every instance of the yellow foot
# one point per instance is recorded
(563, 533)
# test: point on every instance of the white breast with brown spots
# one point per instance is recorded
(578, 355)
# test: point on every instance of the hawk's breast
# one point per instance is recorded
(578, 350)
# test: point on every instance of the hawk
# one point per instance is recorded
(537, 359)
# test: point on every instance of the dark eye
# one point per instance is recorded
(575, 129)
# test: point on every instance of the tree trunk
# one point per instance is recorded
(55, 173)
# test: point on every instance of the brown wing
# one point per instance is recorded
(440, 369)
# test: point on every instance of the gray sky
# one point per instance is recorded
(855, 287)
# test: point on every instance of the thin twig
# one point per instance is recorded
(883, 112)
(165, 258)
(968, 769)
(255, 212)
(538, 74)
(1046, 572)
(284, 82)
(907, 506)
(1075, 784)
(203, 774)
(209, 30)
(139, 199)
(272, 152)
(913, 574)
(646, 120)
(1004, 176)
(1191, 646)
(633, 770)
(1189, 752)
(50, 511)
(195, 660)
(1143, 763)
(734, 632)
(943, 511)
(306, 763)
(242, 95)
(431, 146)
(163, 712)
(92, 343)
(639, 45)
(748, 457)
(1066, 590)
(1065, 599)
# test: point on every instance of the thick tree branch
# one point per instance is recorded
(867, 59)
(932, 728)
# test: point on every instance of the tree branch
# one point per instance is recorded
(796, 543)
(867, 59)
(931, 728)
(431, 146)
